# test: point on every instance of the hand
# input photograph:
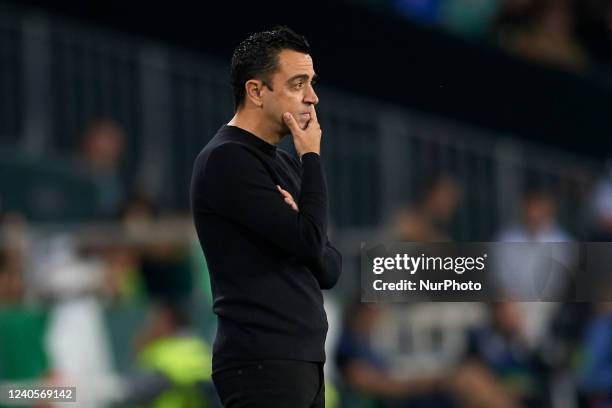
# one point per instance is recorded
(288, 198)
(305, 140)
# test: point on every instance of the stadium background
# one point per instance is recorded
(462, 120)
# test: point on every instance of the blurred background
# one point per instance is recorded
(466, 120)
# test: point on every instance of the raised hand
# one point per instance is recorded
(305, 140)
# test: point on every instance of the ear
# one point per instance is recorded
(253, 88)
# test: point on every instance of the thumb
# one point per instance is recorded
(291, 123)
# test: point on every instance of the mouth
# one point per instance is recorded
(305, 115)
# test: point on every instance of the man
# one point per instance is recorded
(261, 217)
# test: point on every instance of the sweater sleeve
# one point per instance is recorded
(238, 187)
(327, 268)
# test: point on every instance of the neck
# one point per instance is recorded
(251, 121)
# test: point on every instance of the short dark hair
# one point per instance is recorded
(257, 57)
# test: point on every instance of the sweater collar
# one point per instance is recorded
(254, 141)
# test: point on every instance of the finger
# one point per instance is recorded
(291, 123)
(284, 193)
(288, 197)
(291, 204)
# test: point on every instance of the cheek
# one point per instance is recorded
(284, 102)
(291, 101)
(272, 108)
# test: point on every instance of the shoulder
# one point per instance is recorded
(224, 154)
(230, 162)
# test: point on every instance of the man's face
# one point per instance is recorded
(293, 92)
(538, 212)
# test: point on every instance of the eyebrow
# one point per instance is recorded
(304, 77)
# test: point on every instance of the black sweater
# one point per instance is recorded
(267, 262)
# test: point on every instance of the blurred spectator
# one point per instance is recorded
(101, 152)
(367, 374)
(502, 366)
(536, 224)
(76, 340)
(123, 280)
(152, 261)
(22, 327)
(175, 366)
(543, 31)
(428, 220)
(167, 271)
(545, 326)
(165, 263)
(601, 206)
(596, 370)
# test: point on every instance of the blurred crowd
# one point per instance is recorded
(500, 354)
(131, 265)
(575, 35)
(120, 306)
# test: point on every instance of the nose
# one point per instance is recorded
(311, 95)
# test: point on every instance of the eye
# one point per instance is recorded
(299, 85)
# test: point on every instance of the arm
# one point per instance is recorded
(237, 186)
(327, 268)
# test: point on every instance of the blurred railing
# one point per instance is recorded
(57, 76)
